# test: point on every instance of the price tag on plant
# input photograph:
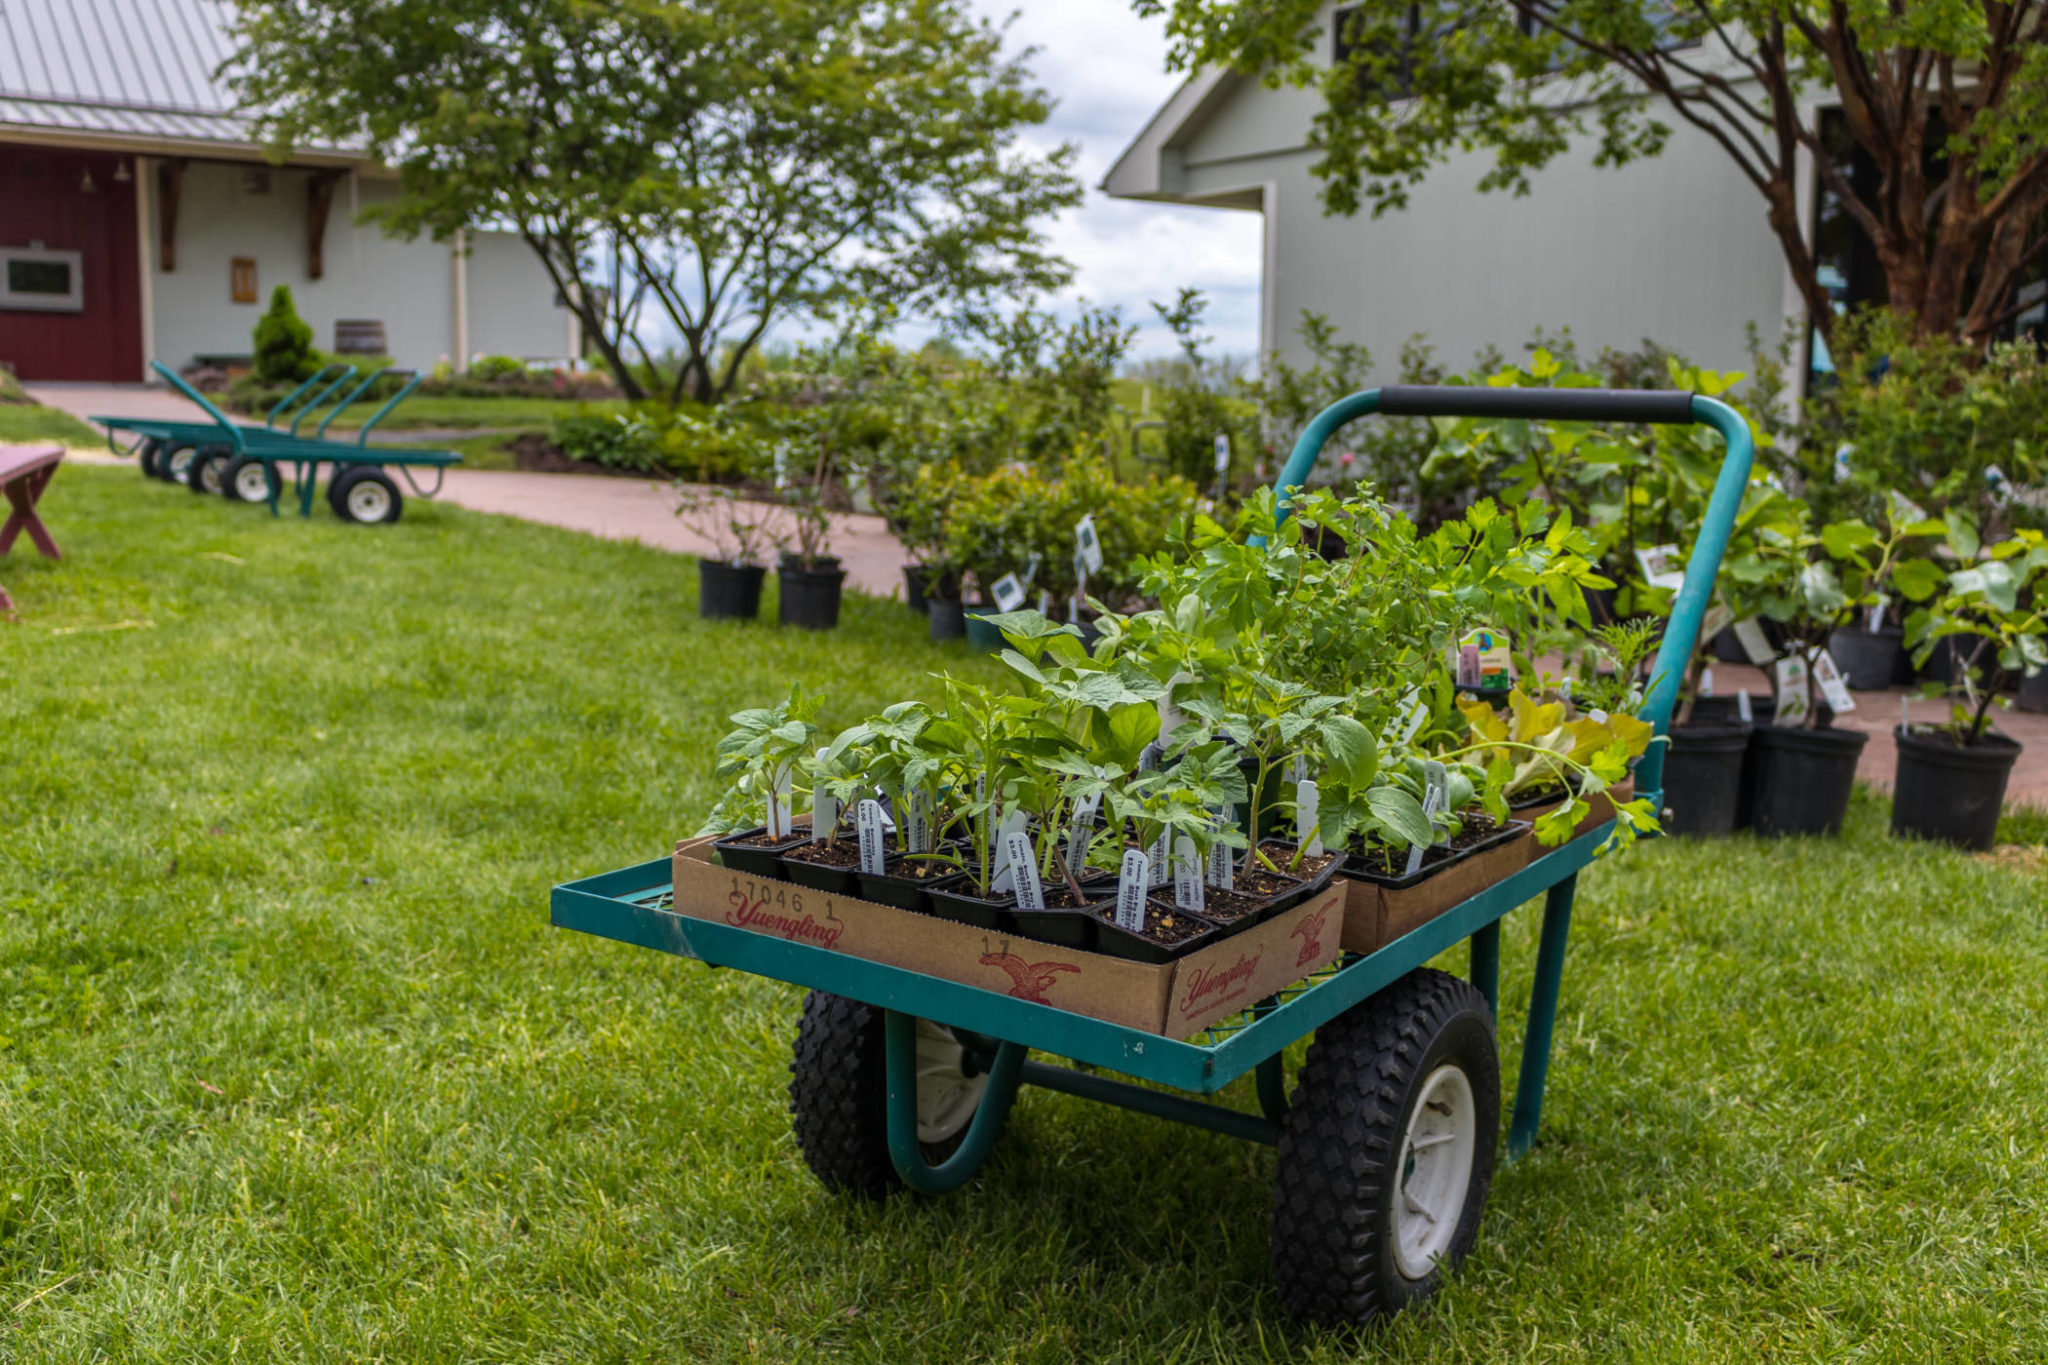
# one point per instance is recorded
(868, 819)
(1187, 875)
(1023, 867)
(1155, 860)
(1662, 568)
(1875, 621)
(1002, 876)
(1755, 644)
(1008, 592)
(1082, 834)
(1031, 568)
(1834, 688)
(1706, 682)
(1222, 453)
(1306, 815)
(1434, 798)
(1134, 879)
(917, 825)
(1791, 676)
(1087, 546)
(1171, 718)
(779, 788)
(1744, 712)
(1222, 867)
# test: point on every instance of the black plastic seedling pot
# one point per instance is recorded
(729, 591)
(837, 881)
(1801, 779)
(1703, 779)
(1951, 792)
(756, 860)
(810, 592)
(959, 902)
(1114, 941)
(891, 887)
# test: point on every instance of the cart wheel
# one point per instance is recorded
(366, 497)
(173, 468)
(1386, 1151)
(204, 475)
(146, 457)
(249, 480)
(838, 1093)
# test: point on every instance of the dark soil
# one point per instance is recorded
(1164, 925)
(843, 853)
(1282, 853)
(534, 452)
(1381, 861)
(1224, 907)
(765, 840)
(919, 869)
(1261, 885)
(1060, 898)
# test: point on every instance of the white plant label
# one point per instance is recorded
(1662, 568)
(1412, 725)
(1222, 453)
(1222, 867)
(1432, 802)
(1905, 717)
(1297, 771)
(1306, 814)
(1003, 878)
(1087, 547)
(1750, 635)
(824, 813)
(1044, 602)
(1170, 716)
(917, 826)
(1082, 834)
(868, 819)
(779, 787)
(1031, 568)
(2001, 487)
(1834, 689)
(1875, 621)
(1904, 510)
(1706, 682)
(1148, 757)
(1791, 675)
(1134, 879)
(1008, 592)
(1187, 875)
(1842, 454)
(1744, 712)
(1155, 861)
(1023, 868)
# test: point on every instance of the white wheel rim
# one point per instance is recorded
(253, 483)
(1435, 1170)
(180, 465)
(369, 501)
(209, 476)
(946, 1095)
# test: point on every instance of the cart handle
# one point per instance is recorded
(1665, 407)
(286, 403)
(220, 419)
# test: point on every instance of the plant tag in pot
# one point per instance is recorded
(1134, 879)
(1082, 834)
(1031, 569)
(1008, 592)
(1044, 602)
(1411, 722)
(778, 803)
(1432, 802)
(868, 819)
(1832, 687)
(1003, 878)
(917, 826)
(1222, 453)
(1306, 831)
(1170, 716)
(1087, 547)
(1023, 867)
(1904, 510)
(1148, 757)
(1187, 875)
(1755, 644)
(1744, 712)
(1222, 867)
(1875, 621)
(1791, 672)
(1662, 568)
(1155, 862)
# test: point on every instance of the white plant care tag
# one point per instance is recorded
(1222, 453)
(1170, 716)
(1707, 682)
(917, 826)
(1842, 454)
(1750, 635)
(1002, 876)
(1306, 815)
(1744, 712)
(824, 813)
(1905, 717)
(2000, 486)
(1432, 802)
(1087, 547)
(1412, 724)
(1834, 689)
(1222, 867)
(1874, 622)
(1187, 875)
(1031, 569)
(1662, 568)
(1134, 879)
(1023, 869)
(868, 819)
(1008, 592)
(1791, 675)
(1044, 602)
(1082, 834)
(1155, 861)
(1148, 757)
(1297, 771)
(778, 802)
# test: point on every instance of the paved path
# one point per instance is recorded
(633, 509)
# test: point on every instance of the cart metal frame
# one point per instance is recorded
(998, 1031)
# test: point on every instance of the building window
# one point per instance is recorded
(36, 279)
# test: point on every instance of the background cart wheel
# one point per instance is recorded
(146, 456)
(366, 497)
(838, 1093)
(249, 479)
(204, 474)
(174, 466)
(1386, 1152)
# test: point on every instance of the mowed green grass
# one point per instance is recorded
(34, 424)
(294, 1068)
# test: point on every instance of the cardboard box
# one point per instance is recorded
(1375, 915)
(1174, 999)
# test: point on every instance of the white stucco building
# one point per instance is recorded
(140, 221)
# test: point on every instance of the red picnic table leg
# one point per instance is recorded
(23, 494)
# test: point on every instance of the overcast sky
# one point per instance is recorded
(1107, 69)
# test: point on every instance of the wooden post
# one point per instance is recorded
(319, 199)
(170, 178)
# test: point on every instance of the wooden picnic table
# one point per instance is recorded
(25, 471)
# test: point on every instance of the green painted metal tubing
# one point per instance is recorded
(363, 436)
(347, 373)
(1157, 1103)
(900, 1049)
(1486, 965)
(1557, 924)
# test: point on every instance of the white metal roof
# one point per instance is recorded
(118, 70)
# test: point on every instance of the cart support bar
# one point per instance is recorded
(1158, 1103)
(900, 1054)
(1541, 405)
(1557, 924)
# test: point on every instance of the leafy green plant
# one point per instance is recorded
(1993, 599)
(760, 754)
(1534, 747)
(284, 342)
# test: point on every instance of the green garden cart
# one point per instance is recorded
(164, 448)
(1386, 1138)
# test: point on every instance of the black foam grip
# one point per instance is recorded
(1553, 405)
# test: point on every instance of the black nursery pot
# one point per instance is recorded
(890, 887)
(1703, 779)
(2033, 693)
(810, 592)
(1867, 658)
(1726, 710)
(1802, 779)
(757, 860)
(914, 577)
(958, 902)
(729, 591)
(948, 618)
(1951, 792)
(1065, 925)
(837, 881)
(1117, 942)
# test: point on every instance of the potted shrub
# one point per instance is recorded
(810, 576)
(917, 514)
(1950, 781)
(761, 754)
(729, 583)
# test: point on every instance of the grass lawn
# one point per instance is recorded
(294, 1069)
(34, 424)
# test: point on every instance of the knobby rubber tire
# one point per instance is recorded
(838, 1098)
(146, 456)
(338, 496)
(1333, 1225)
(230, 480)
(195, 475)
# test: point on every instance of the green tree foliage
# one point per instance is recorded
(716, 165)
(283, 342)
(1200, 405)
(1947, 100)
